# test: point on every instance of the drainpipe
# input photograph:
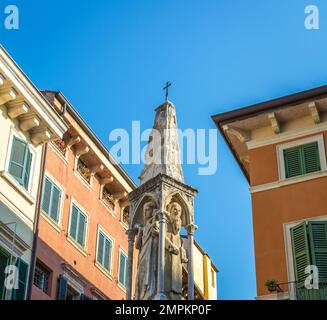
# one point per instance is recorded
(36, 223)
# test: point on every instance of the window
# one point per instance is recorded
(122, 268)
(41, 278)
(83, 170)
(51, 199)
(309, 247)
(19, 293)
(20, 162)
(78, 223)
(104, 252)
(301, 160)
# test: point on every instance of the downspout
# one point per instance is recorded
(36, 222)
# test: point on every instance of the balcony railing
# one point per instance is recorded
(299, 292)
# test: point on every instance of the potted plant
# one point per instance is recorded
(272, 285)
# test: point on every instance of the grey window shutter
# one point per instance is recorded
(62, 288)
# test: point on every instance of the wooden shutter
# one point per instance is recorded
(27, 168)
(122, 269)
(302, 160)
(292, 159)
(301, 254)
(62, 288)
(55, 203)
(19, 294)
(100, 248)
(311, 157)
(81, 229)
(73, 222)
(17, 159)
(46, 196)
(318, 245)
(107, 254)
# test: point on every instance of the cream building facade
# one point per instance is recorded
(27, 123)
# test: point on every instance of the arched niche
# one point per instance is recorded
(186, 212)
(138, 218)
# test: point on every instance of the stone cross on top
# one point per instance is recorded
(166, 88)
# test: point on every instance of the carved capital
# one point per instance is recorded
(131, 233)
(191, 228)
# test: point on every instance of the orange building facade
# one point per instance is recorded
(82, 242)
(280, 146)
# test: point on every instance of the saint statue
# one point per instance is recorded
(147, 244)
(175, 254)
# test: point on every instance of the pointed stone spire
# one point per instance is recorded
(163, 152)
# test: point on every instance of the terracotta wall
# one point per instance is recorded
(273, 208)
(54, 248)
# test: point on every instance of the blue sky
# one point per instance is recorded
(111, 58)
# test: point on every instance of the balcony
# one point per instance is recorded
(297, 292)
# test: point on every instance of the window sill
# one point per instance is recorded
(52, 223)
(289, 181)
(103, 270)
(113, 213)
(23, 192)
(124, 225)
(121, 287)
(77, 246)
(81, 178)
(58, 153)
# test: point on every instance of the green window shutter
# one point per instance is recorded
(81, 229)
(311, 157)
(100, 248)
(107, 254)
(302, 160)
(318, 245)
(17, 159)
(19, 294)
(46, 196)
(51, 198)
(27, 168)
(73, 222)
(20, 162)
(293, 164)
(55, 203)
(122, 269)
(62, 288)
(301, 254)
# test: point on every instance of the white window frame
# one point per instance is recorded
(61, 205)
(121, 251)
(280, 154)
(97, 263)
(72, 240)
(31, 188)
(289, 252)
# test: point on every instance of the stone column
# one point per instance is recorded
(161, 258)
(191, 228)
(131, 238)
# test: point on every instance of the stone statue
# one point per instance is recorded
(147, 244)
(175, 254)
